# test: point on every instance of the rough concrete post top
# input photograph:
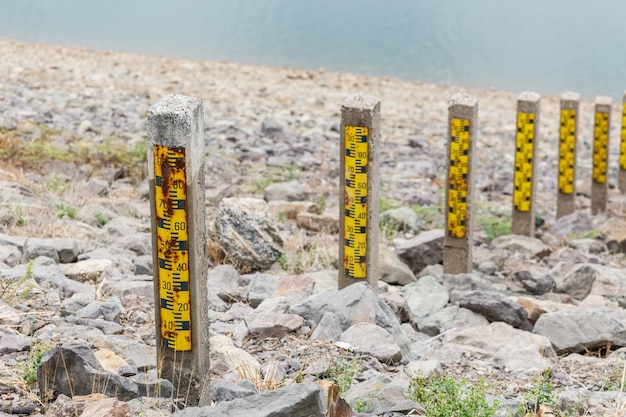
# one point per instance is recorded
(361, 101)
(529, 96)
(603, 104)
(463, 99)
(570, 96)
(528, 102)
(173, 120)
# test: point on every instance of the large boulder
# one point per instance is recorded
(526, 245)
(74, 370)
(302, 400)
(494, 306)
(357, 303)
(425, 297)
(248, 234)
(424, 249)
(581, 329)
(373, 340)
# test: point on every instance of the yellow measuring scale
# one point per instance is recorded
(600, 135)
(622, 153)
(457, 177)
(172, 246)
(567, 145)
(524, 144)
(355, 201)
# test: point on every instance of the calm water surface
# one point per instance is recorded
(548, 46)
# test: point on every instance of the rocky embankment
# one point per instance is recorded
(76, 291)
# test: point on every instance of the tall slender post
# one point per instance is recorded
(359, 196)
(621, 179)
(526, 139)
(568, 138)
(462, 128)
(176, 173)
(601, 133)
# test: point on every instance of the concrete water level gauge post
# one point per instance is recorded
(462, 128)
(568, 138)
(601, 131)
(526, 139)
(359, 193)
(176, 175)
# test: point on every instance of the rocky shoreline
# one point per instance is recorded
(76, 264)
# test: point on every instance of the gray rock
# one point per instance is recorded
(325, 280)
(527, 353)
(222, 278)
(88, 270)
(143, 265)
(34, 248)
(149, 385)
(97, 187)
(580, 329)
(49, 277)
(577, 222)
(223, 390)
(132, 349)
(248, 233)
(302, 400)
(127, 370)
(490, 338)
(74, 370)
(424, 368)
(271, 127)
(399, 306)
(139, 285)
(424, 249)
(392, 269)
(222, 348)
(288, 191)
(121, 226)
(579, 282)
(110, 310)
(76, 302)
(425, 297)
(67, 249)
(261, 287)
(272, 325)
(451, 317)
(326, 222)
(240, 332)
(372, 340)
(16, 241)
(10, 343)
(328, 329)
(238, 312)
(382, 396)
(64, 406)
(357, 303)
(295, 288)
(273, 305)
(139, 243)
(105, 326)
(532, 284)
(403, 218)
(95, 215)
(11, 255)
(529, 246)
(494, 306)
(470, 282)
